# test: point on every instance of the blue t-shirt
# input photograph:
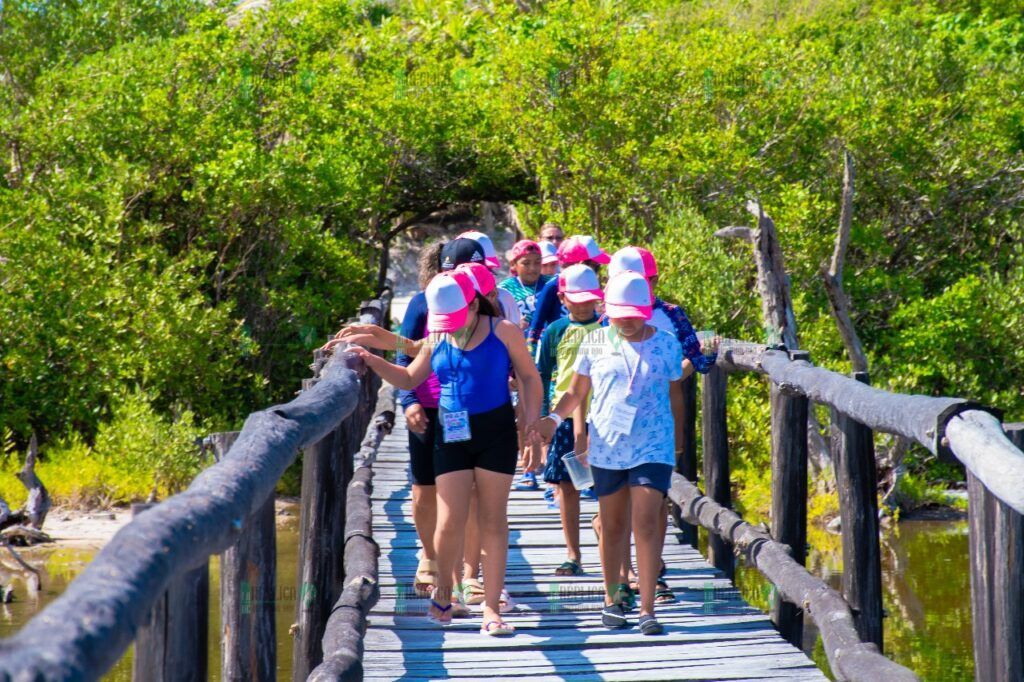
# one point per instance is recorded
(610, 362)
(548, 309)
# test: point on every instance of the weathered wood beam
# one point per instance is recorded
(171, 644)
(853, 456)
(248, 646)
(82, 633)
(342, 643)
(716, 460)
(789, 493)
(997, 580)
(849, 658)
(978, 440)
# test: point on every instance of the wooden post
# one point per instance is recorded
(321, 544)
(686, 458)
(853, 455)
(172, 643)
(248, 646)
(715, 434)
(789, 493)
(997, 579)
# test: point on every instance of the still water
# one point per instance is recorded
(924, 571)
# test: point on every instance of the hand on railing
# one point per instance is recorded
(369, 335)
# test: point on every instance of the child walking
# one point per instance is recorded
(579, 291)
(629, 367)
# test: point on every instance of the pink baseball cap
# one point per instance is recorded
(480, 275)
(579, 284)
(521, 248)
(628, 294)
(448, 297)
(548, 253)
(490, 255)
(582, 248)
(634, 259)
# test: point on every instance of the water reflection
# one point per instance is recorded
(924, 572)
(60, 565)
(925, 575)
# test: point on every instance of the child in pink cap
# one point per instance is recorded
(628, 368)
(526, 281)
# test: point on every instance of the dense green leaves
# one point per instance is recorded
(190, 198)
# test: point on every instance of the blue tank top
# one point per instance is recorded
(475, 380)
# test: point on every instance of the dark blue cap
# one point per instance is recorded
(459, 251)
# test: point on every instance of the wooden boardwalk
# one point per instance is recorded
(711, 634)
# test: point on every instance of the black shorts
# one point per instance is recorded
(421, 451)
(494, 444)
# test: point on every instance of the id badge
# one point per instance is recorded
(623, 415)
(455, 426)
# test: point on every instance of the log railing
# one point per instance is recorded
(851, 623)
(149, 584)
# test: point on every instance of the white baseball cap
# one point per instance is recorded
(579, 249)
(628, 294)
(448, 297)
(634, 259)
(548, 253)
(490, 254)
(579, 284)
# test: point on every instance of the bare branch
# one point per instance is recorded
(736, 232)
(845, 220)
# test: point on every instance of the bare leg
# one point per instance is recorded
(424, 517)
(569, 508)
(647, 505)
(471, 557)
(614, 535)
(492, 511)
(452, 510)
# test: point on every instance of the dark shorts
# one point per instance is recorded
(494, 444)
(421, 451)
(608, 481)
(562, 443)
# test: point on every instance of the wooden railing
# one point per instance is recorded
(851, 623)
(150, 583)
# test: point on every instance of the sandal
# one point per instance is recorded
(494, 628)
(528, 481)
(663, 594)
(505, 602)
(625, 596)
(443, 608)
(472, 592)
(426, 574)
(569, 567)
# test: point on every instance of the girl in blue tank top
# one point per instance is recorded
(471, 351)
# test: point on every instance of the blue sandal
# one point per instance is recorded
(443, 608)
(528, 481)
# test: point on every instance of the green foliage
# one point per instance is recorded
(189, 204)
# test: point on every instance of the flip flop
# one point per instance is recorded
(569, 567)
(426, 574)
(472, 592)
(495, 628)
(439, 620)
(505, 602)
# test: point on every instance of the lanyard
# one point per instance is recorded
(639, 361)
(454, 367)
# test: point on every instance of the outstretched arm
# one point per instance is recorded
(406, 378)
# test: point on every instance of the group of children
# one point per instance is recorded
(478, 362)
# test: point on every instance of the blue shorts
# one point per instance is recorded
(608, 481)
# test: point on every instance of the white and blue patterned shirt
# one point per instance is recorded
(609, 360)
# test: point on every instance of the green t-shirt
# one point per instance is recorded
(526, 296)
(557, 355)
